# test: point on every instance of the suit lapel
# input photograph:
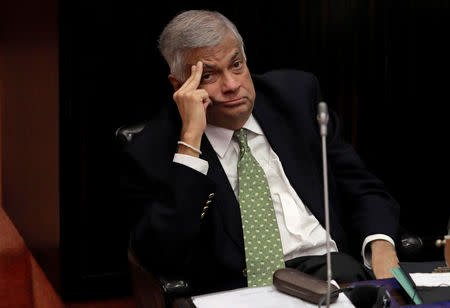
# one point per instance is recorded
(225, 199)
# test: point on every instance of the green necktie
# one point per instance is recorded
(263, 249)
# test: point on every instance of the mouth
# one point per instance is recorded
(233, 102)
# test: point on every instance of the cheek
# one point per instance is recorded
(248, 84)
(212, 91)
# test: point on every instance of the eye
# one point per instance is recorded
(206, 76)
(237, 64)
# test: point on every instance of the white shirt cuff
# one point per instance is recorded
(195, 163)
(366, 252)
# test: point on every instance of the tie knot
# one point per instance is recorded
(241, 136)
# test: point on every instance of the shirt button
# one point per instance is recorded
(244, 272)
(211, 195)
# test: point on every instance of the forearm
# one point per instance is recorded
(366, 250)
(384, 258)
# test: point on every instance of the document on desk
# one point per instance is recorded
(261, 297)
(431, 279)
(421, 283)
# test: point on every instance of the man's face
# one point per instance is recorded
(227, 80)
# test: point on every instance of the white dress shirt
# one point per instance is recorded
(301, 233)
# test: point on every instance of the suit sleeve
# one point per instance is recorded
(164, 213)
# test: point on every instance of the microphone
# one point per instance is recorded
(362, 295)
(309, 288)
(322, 118)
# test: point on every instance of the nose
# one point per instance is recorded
(230, 83)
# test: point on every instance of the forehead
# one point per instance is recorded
(218, 53)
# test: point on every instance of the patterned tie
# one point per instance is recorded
(263, 249)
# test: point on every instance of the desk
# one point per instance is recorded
(398, 295)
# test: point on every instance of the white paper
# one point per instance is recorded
(431, 279)
(262, 297)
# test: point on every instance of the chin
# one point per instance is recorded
(231, 119)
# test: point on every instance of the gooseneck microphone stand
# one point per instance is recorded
(322, 118)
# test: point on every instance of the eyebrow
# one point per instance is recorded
(235, 55)
(212, 66)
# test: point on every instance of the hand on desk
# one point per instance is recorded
(384, 259)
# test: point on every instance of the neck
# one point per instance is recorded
(234, 124)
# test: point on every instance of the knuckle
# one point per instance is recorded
(192, 95)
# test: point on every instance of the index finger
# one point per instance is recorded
(193, 81)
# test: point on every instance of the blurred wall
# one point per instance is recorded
(29, 125)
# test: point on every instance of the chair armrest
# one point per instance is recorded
(414, 248)
(409, 246)
(153, 291)
(174, 289)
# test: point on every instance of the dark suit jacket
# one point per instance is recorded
(166, 200)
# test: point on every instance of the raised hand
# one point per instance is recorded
(192, 103)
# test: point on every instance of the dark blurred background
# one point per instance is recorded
(382, 65)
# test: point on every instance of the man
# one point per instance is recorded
(183, 174)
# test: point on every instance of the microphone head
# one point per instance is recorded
(322, 118)
(322, 115)
(323, 108)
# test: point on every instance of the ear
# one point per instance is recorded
(176, 84)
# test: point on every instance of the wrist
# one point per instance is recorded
(189, 144)
(196, 150)
(187, 151)
(383, 249)
(193, 139)
(381, 245)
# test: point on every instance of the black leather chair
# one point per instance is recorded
(151, 291)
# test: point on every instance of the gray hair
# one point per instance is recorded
(193, 29)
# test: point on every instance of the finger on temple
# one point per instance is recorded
(193, 81)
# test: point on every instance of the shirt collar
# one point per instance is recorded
(220, 137)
